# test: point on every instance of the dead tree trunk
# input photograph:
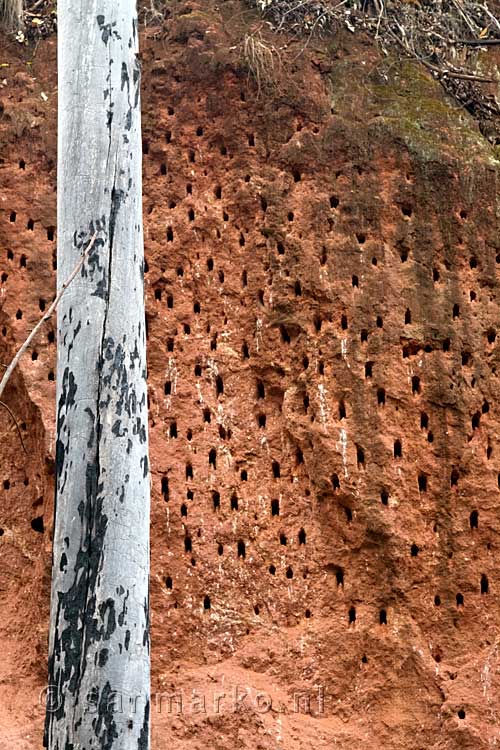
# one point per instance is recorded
(99, 629)
(11, 14)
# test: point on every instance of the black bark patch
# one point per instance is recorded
(107, 29)
(147, 627)
(116, 429)
(140, 429)
(137, 82)
(90, 441)
(121, 616)
(66, 401)
(95, 269)
(117, 198)
(105, 727)
(107, 615)
(77, 605)
(143, 741)
(109, 117)
(137, 71)
(125, 77)
(91, 479)
(60, 452)
(76, 331)
(103, 657)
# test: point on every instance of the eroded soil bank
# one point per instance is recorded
(322, 296)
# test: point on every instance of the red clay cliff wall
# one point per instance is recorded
(322, 296)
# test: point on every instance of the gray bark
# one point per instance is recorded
(99, 668)
(11, 14)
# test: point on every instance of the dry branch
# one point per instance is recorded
(7, 408)
(10, 369)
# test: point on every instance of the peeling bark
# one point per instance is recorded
(99, 630)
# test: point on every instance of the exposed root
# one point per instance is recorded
(153, 12)
(262, 60)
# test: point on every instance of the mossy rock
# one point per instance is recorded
(402, 99)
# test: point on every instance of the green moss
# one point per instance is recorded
(402, 99)
(195, 15)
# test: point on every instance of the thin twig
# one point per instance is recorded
(491, 16)
(46, 316)
(440, 72)
(317, 21)
(379, 19)
(2, 403)
(291, 10)
(464, 16)
(480, 42)
(465, 76)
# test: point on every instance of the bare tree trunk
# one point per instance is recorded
(99, 630)
(11, 14)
